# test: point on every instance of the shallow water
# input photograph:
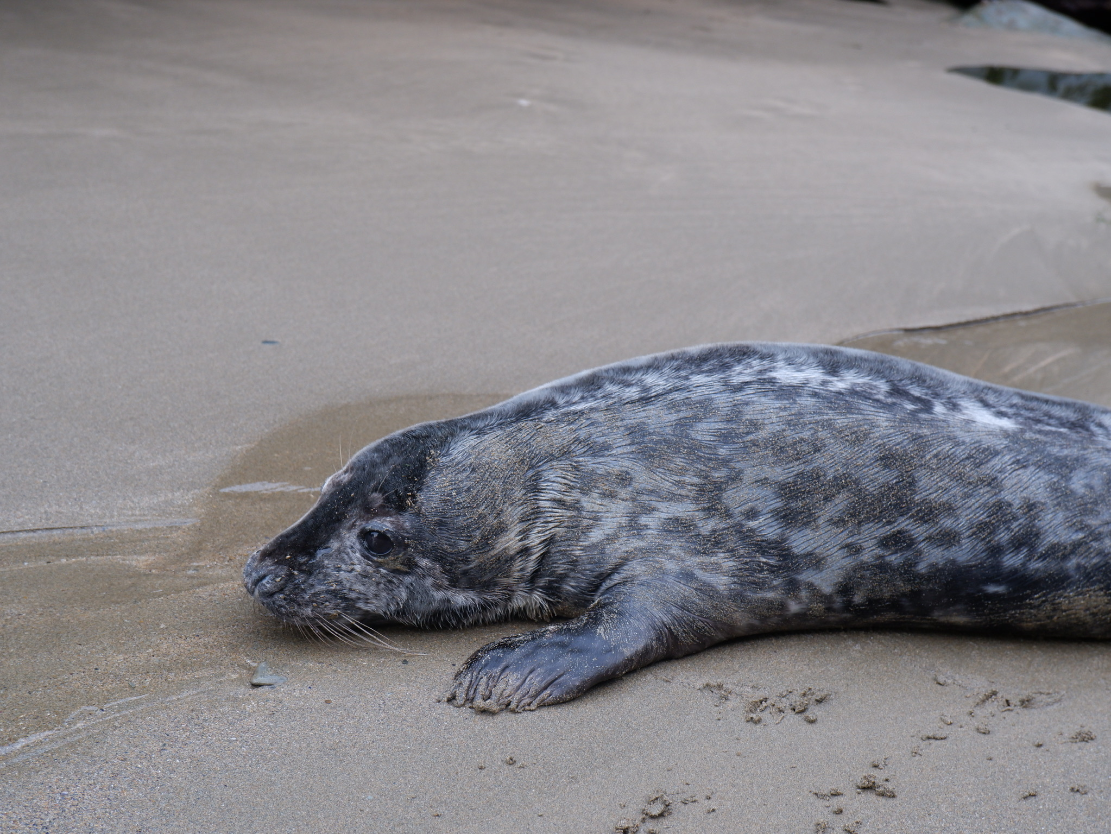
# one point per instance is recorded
(1065, 351)
(1092, 89)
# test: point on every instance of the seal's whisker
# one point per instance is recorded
(341, 635)
(323, 637)
(375, 639)
(307, 632)
(372, 635)
(325, 634)
(358, 631)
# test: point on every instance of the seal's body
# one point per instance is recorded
(670, 502)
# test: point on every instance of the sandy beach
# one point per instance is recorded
(242, 239)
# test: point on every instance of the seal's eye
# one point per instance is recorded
(375, 542)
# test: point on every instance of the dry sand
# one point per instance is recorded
(426, 206)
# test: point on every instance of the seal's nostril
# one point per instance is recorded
(272, 582)
(262, 581)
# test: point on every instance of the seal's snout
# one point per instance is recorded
(264, 580)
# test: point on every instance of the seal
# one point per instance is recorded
(658, 506)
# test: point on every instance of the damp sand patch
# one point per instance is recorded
(105, 619)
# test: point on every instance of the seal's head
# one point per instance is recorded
(401, 534)
(356, 553)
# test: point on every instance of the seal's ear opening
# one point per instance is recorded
(375, 542)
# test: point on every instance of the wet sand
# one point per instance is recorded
(244, 239)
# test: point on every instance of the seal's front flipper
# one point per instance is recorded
(620, 632)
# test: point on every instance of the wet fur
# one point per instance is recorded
(670, 502)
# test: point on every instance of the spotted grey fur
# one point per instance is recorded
(661, 505)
